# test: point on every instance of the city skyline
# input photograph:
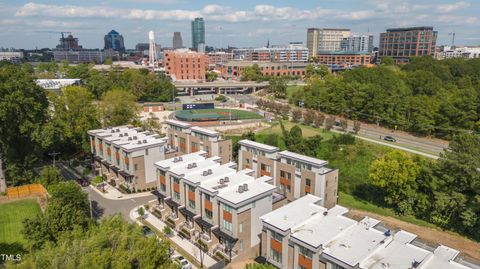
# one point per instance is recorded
(26, 24)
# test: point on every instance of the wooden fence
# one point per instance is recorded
(24, 191)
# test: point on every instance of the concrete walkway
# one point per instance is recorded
(186, 245)
(112, 193)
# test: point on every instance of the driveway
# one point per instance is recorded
(102, 207)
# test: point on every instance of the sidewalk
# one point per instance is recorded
(180, 242)
(114, 194)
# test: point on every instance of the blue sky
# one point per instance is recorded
(23, 24)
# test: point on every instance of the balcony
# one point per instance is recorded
(205, 237)
(222, 252)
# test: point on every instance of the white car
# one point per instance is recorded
(182, 262)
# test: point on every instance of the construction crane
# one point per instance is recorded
(56, 32)
(453, 38)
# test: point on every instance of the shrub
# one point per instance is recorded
(221, 98)
(202, 245)
(124, 189)
(185, 233)
(75, 163)
(167, 230)
(146, 206)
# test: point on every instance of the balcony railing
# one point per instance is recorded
(205, 237)
(187, 225)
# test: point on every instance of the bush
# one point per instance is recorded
(157, 214)
(97, 180)
(75, 163)
(202, 245)
(221, 256)
(125, 189)
(221, 98)
(185, 233)
(146, 206)
(86, 171)
(167, 230)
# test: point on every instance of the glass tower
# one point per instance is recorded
(198, 32)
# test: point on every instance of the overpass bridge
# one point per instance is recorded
(219, 87)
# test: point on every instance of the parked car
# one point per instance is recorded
(184, 264)
(389, 138)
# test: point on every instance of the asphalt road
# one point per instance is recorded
(368, 131)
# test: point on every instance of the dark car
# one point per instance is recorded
(390, 138)
(147, 231)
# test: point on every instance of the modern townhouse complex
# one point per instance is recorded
(294, 175)
(186, 138)
(290, 53)
(303, 234)
(126, 156)
(213, 204)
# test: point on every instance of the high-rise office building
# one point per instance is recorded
(198, 32)
(325, 39)
(357, 43)
(312, 41)
(403, 43)
(177, 42)
(114, 41)
(329, 39)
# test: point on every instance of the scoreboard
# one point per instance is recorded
(198, 106)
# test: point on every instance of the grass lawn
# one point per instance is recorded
(307, 131)
(217, 113)
(12, 214)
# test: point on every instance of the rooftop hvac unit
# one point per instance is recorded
(121, 135)
(240, 189)
(325, 213)
(139, 142)
(227, 180)
(129, 139)
(175, 159)
(118, 130)
(205, 173)
(245, 187)
(180, 158)
(209, 171)
(135, 137)
(221, 181)
(144, 141)
(125, 134)
(387, 233)
(189, 166)
(194, 165)
(112, 131)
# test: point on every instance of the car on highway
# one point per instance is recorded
(389, 138)
(184, 264)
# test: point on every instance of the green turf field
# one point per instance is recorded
(11, 216)
(215, 114)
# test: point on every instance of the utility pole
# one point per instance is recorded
(3, 181)
(53, 154)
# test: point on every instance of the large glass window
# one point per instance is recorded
(208, 214)
(227, 225)
(276, 256)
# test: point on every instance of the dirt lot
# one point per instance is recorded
(429, 235)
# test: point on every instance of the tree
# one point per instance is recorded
(68, 209)
(272, 140)
(386, 60)
(308, 116)
(296, 115)
(211, 76)
(251, 73)
(118, 107)
(49, 176)
(108, 61)
(329, 122)
(141, 211)
(318, 119)
(113, 243)
(356, 126)
(344, 124)
(74, 114)
(396, 173)
(296, 134)
(278, 87)
(316, 71)
(23, 110)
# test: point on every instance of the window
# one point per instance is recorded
(175, 179)
(227, 208)
(191, 204)
(253, 204)
(207, 197)
(227, 225)
(289, 189)
(135, 167)
(163, 187)
(146, 152)
(305, 252)
(191, 188)
(276, 256)
(240, 245)
(308, 182)
(240, 228)
(276, 236)
(208, 214)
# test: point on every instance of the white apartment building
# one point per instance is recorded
(303, 234)
(468, 52)
(295, 175)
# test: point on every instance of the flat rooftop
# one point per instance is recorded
(200, 165)
(221, 171)
(255, 187)
(302, 158)
(356, 243)
(112, 130)
(143, 142)
(322, 227)
(182, 160)
(398, 254)
(253, 144)
(292, 214)
(179, 123)
(213, 185)
(442, 258)
(205, 131)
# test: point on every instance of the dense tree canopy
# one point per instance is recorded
(118, 107)
(426, 96)
(113, 243)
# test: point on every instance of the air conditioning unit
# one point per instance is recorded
(134, 137)
(129, 139)
(180, 158)
(125, 134)
(240, 189)
(194, 165)
(144, 141)
(245, 187)
(227, 180)
(204, 173)
(221, 181)
(209, 171)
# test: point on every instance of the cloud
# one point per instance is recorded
(447, 8)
